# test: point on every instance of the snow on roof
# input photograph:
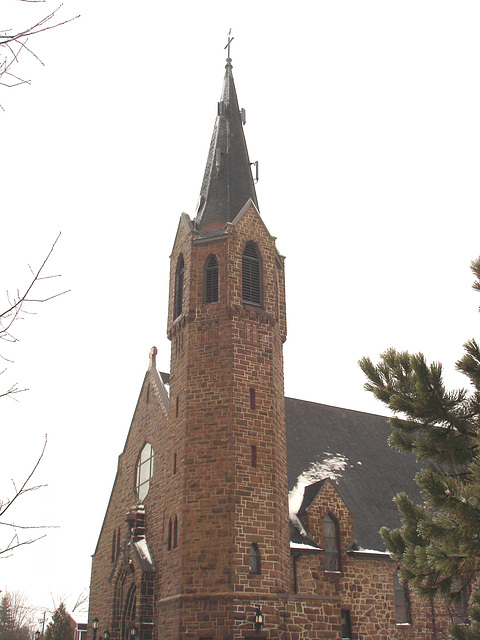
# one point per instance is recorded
(372, 551)
(331, 466)
(300, 545)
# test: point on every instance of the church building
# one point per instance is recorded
(237, 513)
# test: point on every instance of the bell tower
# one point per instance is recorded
(225, 501)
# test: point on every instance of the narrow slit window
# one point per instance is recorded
(170, 534)
(114, 547)
(177, 406)
(253, 456)
(210, 288)
(252, 398)
(175, 532)
(178, 293)
(254, 559)
(175, 463)
(346, 624)
(251, 275)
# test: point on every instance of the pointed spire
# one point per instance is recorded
(227, 182)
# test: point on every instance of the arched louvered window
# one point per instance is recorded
(251, 275)
(178, 294)
(254, 559)
(210, 287)
(331, 544)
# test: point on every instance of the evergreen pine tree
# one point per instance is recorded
(14, 623)
(7, 622)
(60, 628)
(439, 542)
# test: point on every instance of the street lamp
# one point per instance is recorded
(133, 632)
(106, 635)
(37, 635)
(95, 627)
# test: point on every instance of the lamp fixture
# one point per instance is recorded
(258, 619)
(133, 632)
(37, 635)
(106, 635)
(95, 627)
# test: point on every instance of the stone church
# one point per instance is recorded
(237, 513)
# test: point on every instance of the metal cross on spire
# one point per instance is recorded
(227, 46)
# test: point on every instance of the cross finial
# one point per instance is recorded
(153, 354)
(229, 40)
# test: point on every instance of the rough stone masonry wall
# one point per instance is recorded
(226, 504)
(364, 586)
(113, 560)
(257, 335)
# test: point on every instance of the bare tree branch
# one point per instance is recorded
(23, 489)
(17, 309)
(15, 543)
(13, 42)
(15, 540)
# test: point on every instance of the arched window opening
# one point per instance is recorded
(144, 471)
(254, 559)
(118, 598)
(251, 275)
(331, 544)
(129, 612)
(178, 293)
(210, 286)
(402, 609)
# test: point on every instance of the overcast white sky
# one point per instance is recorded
(364, 117)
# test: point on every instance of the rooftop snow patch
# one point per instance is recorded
(331, 467)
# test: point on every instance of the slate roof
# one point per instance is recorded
(350, 446)
(227, 183)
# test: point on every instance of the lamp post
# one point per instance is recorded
(95, 627)
(133, 632)
(258, 619)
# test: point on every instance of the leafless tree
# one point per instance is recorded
(76, 605)
(18, 305)
(14, 540)
(19, 613)
(16, 42)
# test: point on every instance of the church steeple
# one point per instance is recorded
(227, 182)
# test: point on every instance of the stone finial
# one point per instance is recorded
(153, 358)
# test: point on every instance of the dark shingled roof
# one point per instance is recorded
(372, 473)
(228, 182)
